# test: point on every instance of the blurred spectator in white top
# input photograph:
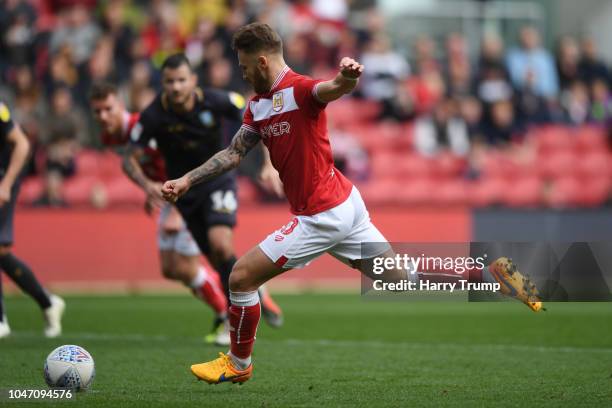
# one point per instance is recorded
(197, 43)
(532, 65)
(386, 69)
(444, 129)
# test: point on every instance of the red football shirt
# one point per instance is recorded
(293, 126)
(152, 162)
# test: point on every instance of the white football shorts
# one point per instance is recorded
(181, 242)
(339, 231)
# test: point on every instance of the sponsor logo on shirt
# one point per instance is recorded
(275, 129)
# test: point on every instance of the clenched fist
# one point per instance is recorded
(173, 189)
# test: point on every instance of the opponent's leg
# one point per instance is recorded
(51, 305)
(5, 329)
(221, 253)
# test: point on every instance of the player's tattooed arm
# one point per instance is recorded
(225, 160)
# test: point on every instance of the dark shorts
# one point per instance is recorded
(7, 213)
(208, 205)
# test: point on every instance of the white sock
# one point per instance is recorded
(199, 279)
(240, 363)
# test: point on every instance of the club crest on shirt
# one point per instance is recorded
(277, 102)
(207, 118)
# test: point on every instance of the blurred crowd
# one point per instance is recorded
(457, 95)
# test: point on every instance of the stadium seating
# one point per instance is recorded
(563, 167)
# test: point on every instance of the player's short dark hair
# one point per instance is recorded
(100, 90)
(175, 61)
(256, 37)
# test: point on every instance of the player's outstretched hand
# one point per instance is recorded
(349, 68)
(173, 189)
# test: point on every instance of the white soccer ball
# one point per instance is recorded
(70, 367)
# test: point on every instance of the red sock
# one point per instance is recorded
(243, 327)
(211, 292)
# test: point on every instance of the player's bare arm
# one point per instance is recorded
(131, 167)
(268, 177)
(222, 162)
(346, 80)
(19, 155)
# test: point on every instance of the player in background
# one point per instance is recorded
(288, 115)
(178, 253)
(186, 123)
(14, 151)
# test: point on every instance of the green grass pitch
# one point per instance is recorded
(335, 350)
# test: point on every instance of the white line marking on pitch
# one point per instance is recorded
(327, 342)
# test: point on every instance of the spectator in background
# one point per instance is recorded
(601, 106)
(64, 111)
(458, 68)
(532, 66)
(220, 75)
(197, 43)
(138, 90)
(101, 65)
(492, 81)
(121, 36)
(60, 163)
(503, 128)
(77, 31)
(443, 130)
(427, 85)
(575, 103)
(349, 156)
(29, 106)
(531, 108)
(62, 70)
(470, 109)
(568, 58)
(297, 54)
(386, 69)
(17, 34)
(591, 67)
(162, 35)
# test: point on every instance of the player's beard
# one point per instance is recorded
(260, 85)
(179, 100)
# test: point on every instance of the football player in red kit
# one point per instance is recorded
(288, 115)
